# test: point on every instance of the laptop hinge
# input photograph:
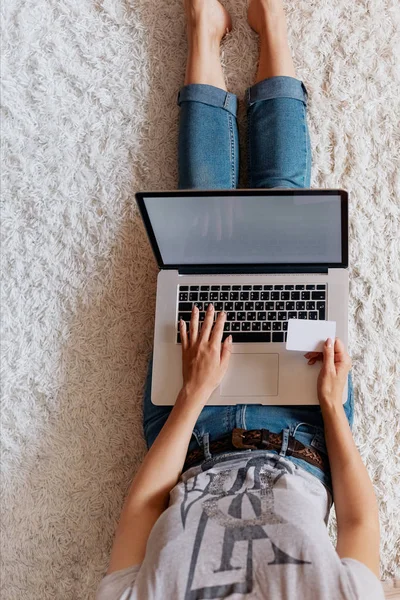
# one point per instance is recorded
(251, 270)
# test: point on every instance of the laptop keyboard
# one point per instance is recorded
(255, 313)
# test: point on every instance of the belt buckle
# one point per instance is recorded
(237, 440)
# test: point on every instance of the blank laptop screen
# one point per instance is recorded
(247, 229)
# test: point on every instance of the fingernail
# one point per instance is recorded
(210, 307)
(195, 309)
(230, 339)
(329, 343)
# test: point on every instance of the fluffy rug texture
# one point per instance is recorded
(89, 117)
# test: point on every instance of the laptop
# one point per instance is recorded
(262, 256)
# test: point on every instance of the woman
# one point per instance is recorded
(249, 522)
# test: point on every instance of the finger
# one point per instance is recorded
(183, 332)
(329, 363)
(226, 353)
(216, 336)
(194, 325)
(207, 323)
(341, 354)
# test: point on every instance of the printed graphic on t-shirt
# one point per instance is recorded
(233, 519)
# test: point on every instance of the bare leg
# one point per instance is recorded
(267, 18)
(207, 23)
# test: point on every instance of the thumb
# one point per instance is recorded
(226, 352)
(329, 356)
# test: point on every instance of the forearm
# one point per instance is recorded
(163, 463)
(355, 501)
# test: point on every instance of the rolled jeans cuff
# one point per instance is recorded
(276, 87)
(208, 94)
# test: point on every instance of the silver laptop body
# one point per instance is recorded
(263, 256)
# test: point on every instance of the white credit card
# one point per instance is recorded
(309, 336)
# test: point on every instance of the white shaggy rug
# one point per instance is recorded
(89, 116)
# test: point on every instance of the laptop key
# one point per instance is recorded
(185, 307)
(268, 287)
(272, 316)
(259, 306)
(300, 305)
(285, 325)
(289, 287)
(276, 326)
(302, 315)
(257, 287)
(204, 288)
(278, 287)
(310, 287)
(218, 306)
(299, 287)
(251, 336)
(261, 316)
(292, 315)
(199, 305)
(194, 288)
(280, 306)
(224, 296)
(246, 326)
(310, 305)
(193, 296)
(321, 310)
(203, 296)
(264, 295)
(238, 305)
(215, 288)
(186, 316)
(289, 306)
(231, 316)
(225, 287)
(295, 295)
(305, 295)
(313, 316)
(235, 326)
(228, 306)
(256, 326)
(227, 326)
(278, 336)
(214, 296)
(247, 287)
(183, 296)
(282, 316)
(241, 316)
(318, 295)
(244, 295)
(321, 286)
(269, 305)
(285, 295)
(254, 295)
(234, 296)
(183, 288)
(275, 296)
(202, 316)
(236, 287)
(249, 306)
(266, 326)
(251, 316)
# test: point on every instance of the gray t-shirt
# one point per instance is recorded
(252, 526)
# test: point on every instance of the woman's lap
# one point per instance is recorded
(305, 423)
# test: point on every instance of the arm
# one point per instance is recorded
(204, 364)
(355, 502)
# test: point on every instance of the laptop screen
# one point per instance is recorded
(266, 228)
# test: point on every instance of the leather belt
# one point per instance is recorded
(259, 439)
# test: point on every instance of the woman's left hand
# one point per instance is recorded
(205, 360)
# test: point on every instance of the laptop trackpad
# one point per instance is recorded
(251, 375)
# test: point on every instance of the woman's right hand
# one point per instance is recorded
(334, 371)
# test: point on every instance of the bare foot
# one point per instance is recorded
(259, 12)
(208, 17)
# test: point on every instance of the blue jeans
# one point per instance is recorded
(279, 155)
